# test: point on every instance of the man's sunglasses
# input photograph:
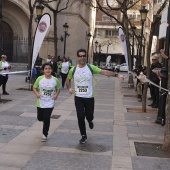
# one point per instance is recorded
(81, 56)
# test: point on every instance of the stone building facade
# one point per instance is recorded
(15, 30)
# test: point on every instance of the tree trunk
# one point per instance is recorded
(55, 33)
(144, 95)
(1, 46)
(166, 144)
(30, 40)
(130, 81)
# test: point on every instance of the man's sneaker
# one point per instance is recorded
(5, 93)
(91, 125)
(44, 138)
(83, 140)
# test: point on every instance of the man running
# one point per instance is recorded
(84, 91)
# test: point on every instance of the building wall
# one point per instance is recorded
(16, 14)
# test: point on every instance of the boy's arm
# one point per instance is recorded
(56, 94)
(36, 92)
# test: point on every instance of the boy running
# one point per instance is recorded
(46, 89)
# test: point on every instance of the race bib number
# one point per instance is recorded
(82, 89)
(47, 92)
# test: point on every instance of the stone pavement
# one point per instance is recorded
(110, 144)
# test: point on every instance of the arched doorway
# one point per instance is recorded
(7, 40)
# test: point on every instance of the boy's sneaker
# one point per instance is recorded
(91, 125)
(83, 140)
(44, 138)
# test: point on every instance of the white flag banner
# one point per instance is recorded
(124, 46)
(40, 32)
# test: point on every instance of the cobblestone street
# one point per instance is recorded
(110, 144)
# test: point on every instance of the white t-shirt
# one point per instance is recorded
(83, 80)
(65, 67)
(5, 65)
(47, 89)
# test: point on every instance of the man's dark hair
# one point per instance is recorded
(47, 64)
(81, 50)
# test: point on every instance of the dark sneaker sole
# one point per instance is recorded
(43, 140)
(83, 142)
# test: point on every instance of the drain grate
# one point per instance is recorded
(150, 150)
(3, 101)
(92, 148)
(55, 116)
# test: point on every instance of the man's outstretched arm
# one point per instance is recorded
(110, 73)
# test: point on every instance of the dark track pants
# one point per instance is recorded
(3, 81)
(44, 114)
(85, 109)
(63, 76)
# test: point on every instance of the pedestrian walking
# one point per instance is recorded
(4, 68)
(46, 89)
(55, 66)
(34, 73)
(84, 90)
(64, 68)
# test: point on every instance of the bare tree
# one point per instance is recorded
(124, 22)
(32, 6)
(166, 143)
(57, 8)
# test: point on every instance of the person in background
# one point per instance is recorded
(117, 68)
(70, 60)
(55, 66)
(34, 73)
(154, 78)
(59, 59)
(48, 59)
(64, 68)
(138, 83)
(4, 68)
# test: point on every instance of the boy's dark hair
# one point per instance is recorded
(47, 64)
(81, 50)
